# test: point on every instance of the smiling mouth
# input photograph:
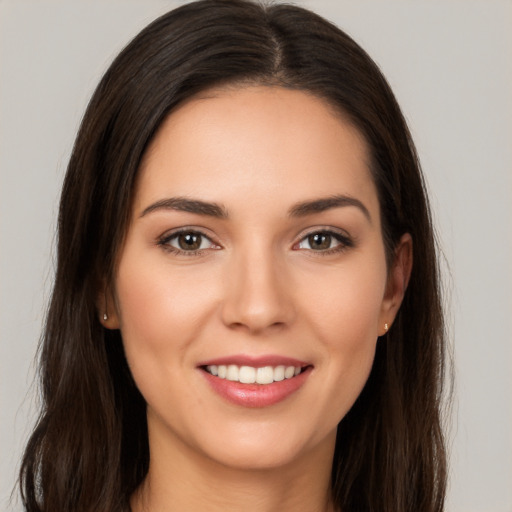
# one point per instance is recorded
(254, 375)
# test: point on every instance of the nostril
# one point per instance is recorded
(256, 327)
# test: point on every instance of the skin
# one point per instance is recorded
(256, 287)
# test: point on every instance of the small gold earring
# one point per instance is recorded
(386, 327)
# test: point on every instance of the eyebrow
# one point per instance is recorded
(183, 204)
(216, 210)
(327, 203)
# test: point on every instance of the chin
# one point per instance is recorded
(266, 448)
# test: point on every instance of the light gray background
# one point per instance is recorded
(449, 62)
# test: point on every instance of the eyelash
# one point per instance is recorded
(344, 242)
(165, 240)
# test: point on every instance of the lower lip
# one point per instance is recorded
(256, 395)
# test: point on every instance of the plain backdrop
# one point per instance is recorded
(449, 63)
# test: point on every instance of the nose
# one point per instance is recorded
(258, 293)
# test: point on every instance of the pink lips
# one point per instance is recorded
(256, 395)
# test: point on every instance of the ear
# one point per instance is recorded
(398, 279)
(106, 306)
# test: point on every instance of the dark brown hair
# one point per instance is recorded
(89, 450)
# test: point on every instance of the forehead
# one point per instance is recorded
(255, 142)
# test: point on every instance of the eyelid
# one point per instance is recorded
(343, 237)
(163, 240)
(324, 229)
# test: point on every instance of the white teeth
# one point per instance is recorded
(265, 375)
(232, 373)
(250, 375)
(247, 375)
(289, 372)
(279, 373)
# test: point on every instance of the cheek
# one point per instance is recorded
(155, 304)
(141, 301)
(346, 303)
(163, 310)
(348, 326)
(345, 319)
(159, 318)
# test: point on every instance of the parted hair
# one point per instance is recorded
(89, 449)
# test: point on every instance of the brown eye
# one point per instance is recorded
(320, 241)
(325, 242)
(189, 241)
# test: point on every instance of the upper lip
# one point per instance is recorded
(255, 361)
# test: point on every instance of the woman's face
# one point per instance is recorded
(252, 285)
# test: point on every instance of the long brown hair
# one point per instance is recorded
(89, 450)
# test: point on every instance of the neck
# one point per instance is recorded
(182, 480)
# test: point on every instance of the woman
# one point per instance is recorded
(236, 319)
